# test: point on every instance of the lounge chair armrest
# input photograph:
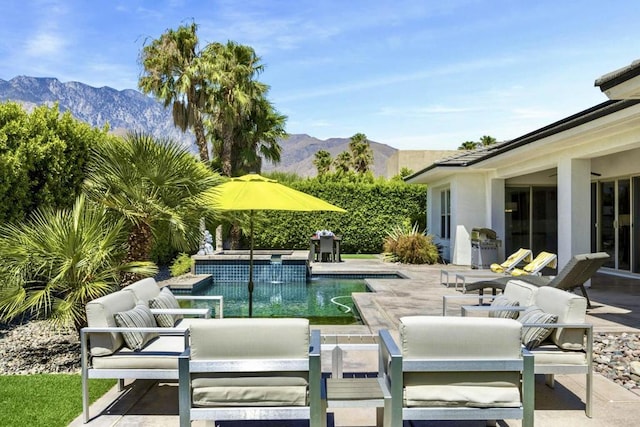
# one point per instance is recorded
(447, 298)
(218, 298)
(157, 329)
(198, 312)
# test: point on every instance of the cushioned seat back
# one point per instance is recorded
(570, 308)
(144, 290)
(524, 293)
(472, 338)
(242, 339)
(236, 339)
(578, 270)
(447, 337)
(100, 314)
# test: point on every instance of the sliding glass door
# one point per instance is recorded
(617, 212)
(531, 219)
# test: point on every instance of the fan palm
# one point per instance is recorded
(361, 152)
(154, 184)
(173, 73)
(57, 261)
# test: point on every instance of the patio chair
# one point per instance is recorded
(326, 248)
(573, 275)
(251, 369)
(512, 261)
(535, 267)
(456, 368)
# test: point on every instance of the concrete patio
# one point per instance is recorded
(616, 308)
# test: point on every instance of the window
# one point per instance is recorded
(445, 214)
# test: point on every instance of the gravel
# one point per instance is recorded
(35, 347)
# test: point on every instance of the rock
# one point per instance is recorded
(634, 367)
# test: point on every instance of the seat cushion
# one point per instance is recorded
(159, 353)
(532, 336)
(165, 300)
(138, 317)
(250, 391)
(504, 301)
(550, 354)
(462, 396)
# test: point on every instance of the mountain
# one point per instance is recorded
(298, 152)
(130, 110)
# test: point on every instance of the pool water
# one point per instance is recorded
(321, 300)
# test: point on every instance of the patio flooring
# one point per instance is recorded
(616, 308)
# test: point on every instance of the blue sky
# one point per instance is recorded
(414, 74)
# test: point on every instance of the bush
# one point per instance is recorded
(181, 265)
(410, 247)
(372, 209)
(42, 159)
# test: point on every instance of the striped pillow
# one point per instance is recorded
(533, 336)
(503, 301)
(165, 300)
(138, 317)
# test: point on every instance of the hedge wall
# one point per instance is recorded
(372, 209)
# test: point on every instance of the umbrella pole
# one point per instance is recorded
(251, 264)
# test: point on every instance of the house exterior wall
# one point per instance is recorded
(468, 210)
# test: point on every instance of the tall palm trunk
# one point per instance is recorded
(201, 140)
(140, 242)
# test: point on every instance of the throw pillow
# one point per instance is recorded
(166, 300)
(138, 317)
(503, 301)
(534, 335)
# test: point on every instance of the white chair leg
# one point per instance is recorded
(549, 379)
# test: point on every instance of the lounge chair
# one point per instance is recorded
(535, 267)
(573, 275)
(251, 369)
(512, 261)
(456, 368)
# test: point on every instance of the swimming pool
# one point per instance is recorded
(323, 300)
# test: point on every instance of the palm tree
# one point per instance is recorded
(152, 183)
(173, 72)
(361, 152)
(487, 140)
(343, 162)
(57, 261)
(322, 161)
(237, 102)
(468, 145)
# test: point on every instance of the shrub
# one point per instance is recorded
(181, 265)
(410, 247)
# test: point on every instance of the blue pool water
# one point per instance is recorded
(323, 300)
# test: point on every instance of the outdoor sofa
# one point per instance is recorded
(456, 368)
(554, 329)
(150, 351)
(251, 369)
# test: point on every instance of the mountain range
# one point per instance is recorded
(131, 110)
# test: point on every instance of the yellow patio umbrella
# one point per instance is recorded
(252, 193)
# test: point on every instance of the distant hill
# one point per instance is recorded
(128, 110)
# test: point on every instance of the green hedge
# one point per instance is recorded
(42, 157)
(372, 210)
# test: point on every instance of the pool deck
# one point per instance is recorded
(616, 308)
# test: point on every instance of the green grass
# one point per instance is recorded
(359, 256)
(46, 400)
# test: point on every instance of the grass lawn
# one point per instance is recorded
(359, 256)
(46, 400)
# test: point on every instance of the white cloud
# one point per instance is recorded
(46, 43)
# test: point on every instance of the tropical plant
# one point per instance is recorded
(343, 162)
(154, 184)
(322, 161)
(361, 153)
(58, 260)
(174, 73)
(468, 145)
(487, 140)
(409, 246)
(181, 265)
(42, 158)
(242, 122)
